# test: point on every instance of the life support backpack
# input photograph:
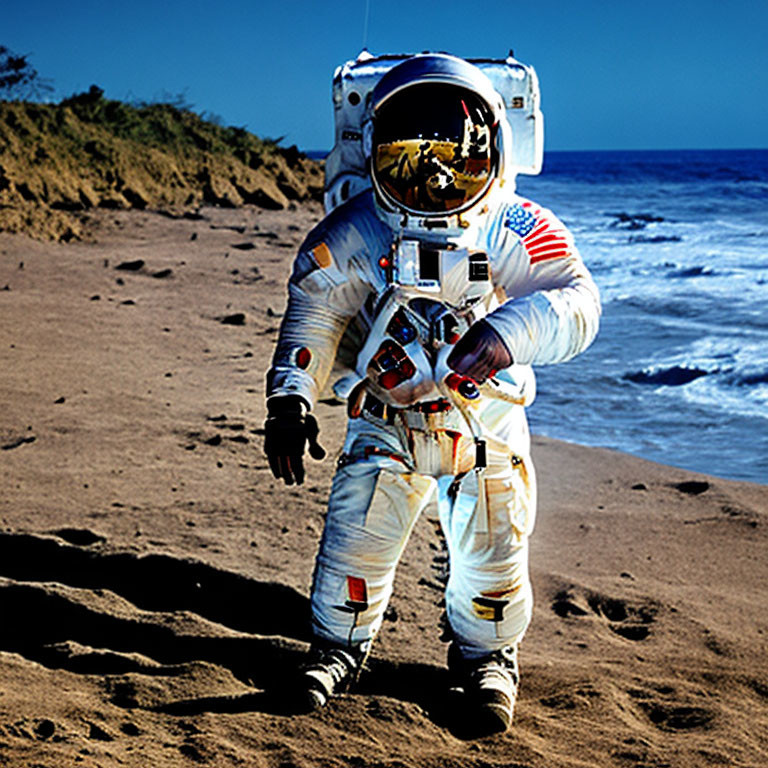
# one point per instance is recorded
(346, 173)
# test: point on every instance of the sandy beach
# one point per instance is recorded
(154, 578)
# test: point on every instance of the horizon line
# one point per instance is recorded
(643, 149)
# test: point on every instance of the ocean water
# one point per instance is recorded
(678, 244)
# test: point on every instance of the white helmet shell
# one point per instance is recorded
(455, 196)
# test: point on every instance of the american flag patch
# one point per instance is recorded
(520, 221)
(546, 242)
(547, 238)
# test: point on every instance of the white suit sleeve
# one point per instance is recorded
(330, 281)
(552, 309)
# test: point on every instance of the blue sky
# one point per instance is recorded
(659, 74)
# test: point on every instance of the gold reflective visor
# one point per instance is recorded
(435, 176)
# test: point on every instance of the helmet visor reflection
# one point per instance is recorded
(432, 148)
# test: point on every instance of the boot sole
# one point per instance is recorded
(494, 718)
(315, 699)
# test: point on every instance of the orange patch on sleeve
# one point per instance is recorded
(322, 255)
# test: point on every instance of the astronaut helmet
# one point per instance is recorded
(435, 143)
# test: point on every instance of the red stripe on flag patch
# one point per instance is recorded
(559, 247)
(551, 237)
(537, 230)
(558, 254)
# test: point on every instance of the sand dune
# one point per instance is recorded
(154, 578)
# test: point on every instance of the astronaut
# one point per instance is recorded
(447, 287)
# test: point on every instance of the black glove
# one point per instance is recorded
(289, 427)
(480, 352)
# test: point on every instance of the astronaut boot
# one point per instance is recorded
(489, 685)
(329, 670)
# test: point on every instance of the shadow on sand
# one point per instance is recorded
(55, 602)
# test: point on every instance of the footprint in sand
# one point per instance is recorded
(630, 620)
(672, 714)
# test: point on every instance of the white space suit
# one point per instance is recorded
(403, 271)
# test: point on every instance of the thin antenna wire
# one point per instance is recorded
(365, 23)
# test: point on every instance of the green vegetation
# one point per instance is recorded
(59, 160)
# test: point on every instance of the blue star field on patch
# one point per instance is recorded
(519, 220)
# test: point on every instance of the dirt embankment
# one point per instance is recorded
(59, 161)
